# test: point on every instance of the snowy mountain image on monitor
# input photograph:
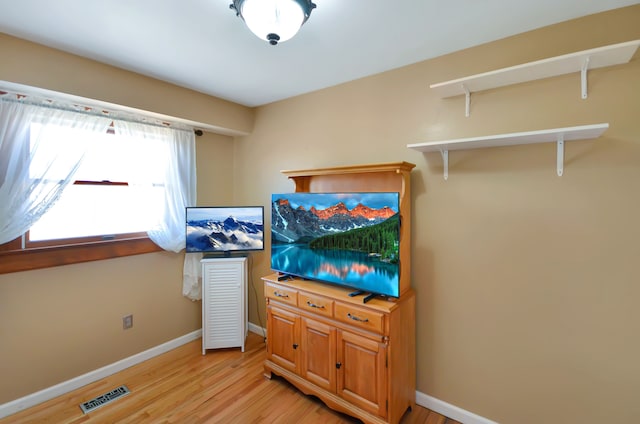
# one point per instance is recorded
(224, 229)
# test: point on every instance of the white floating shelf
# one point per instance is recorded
(557, 135)
(583, 132)
(582, 61)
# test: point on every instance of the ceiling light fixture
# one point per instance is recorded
(273, 20)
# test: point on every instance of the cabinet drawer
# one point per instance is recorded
(363, 318)
(281, 294)
(316, 304)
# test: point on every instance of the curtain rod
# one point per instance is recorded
(93, 111)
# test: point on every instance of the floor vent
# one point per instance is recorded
(102, 400)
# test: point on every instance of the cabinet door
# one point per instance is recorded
(318, 364)
(282, 339)
(224, 312)
(362, 372)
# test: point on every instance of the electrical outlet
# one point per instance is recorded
(127, 322)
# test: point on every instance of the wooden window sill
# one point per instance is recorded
(23, 260)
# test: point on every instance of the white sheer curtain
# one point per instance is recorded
(33, 174)
(176, 148)
(31, 178)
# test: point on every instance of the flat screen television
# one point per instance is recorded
(349, 239)
(224, 229)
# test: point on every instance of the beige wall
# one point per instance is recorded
(526, 282)
(58, 323)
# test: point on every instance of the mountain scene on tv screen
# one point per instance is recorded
(359, 228)
(349, 239)
(224, 235)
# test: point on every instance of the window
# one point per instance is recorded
(116, 196)
(117, 190)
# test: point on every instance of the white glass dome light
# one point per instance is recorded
(273, 20)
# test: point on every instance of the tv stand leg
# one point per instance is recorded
(369, 297)
(356, 293)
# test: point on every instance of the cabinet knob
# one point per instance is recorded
(295, 345)
(338, 365)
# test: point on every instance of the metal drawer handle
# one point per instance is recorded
(313, 305)
(355, 318)
(278, 294)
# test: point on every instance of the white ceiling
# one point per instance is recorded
(202, 45)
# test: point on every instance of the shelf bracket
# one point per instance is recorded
(445, 163)
(583, 77)
(467, 101)
(560, 155)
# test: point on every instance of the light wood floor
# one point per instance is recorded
(183, 386)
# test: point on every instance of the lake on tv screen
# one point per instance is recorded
(355, 269)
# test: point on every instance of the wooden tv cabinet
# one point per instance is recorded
(358, 358)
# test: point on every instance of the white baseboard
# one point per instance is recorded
(258, 330)
(450, 411)
(33, 399)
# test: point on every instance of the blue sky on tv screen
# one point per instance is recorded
(251, 214)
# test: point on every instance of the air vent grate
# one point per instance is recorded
(102, 400)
